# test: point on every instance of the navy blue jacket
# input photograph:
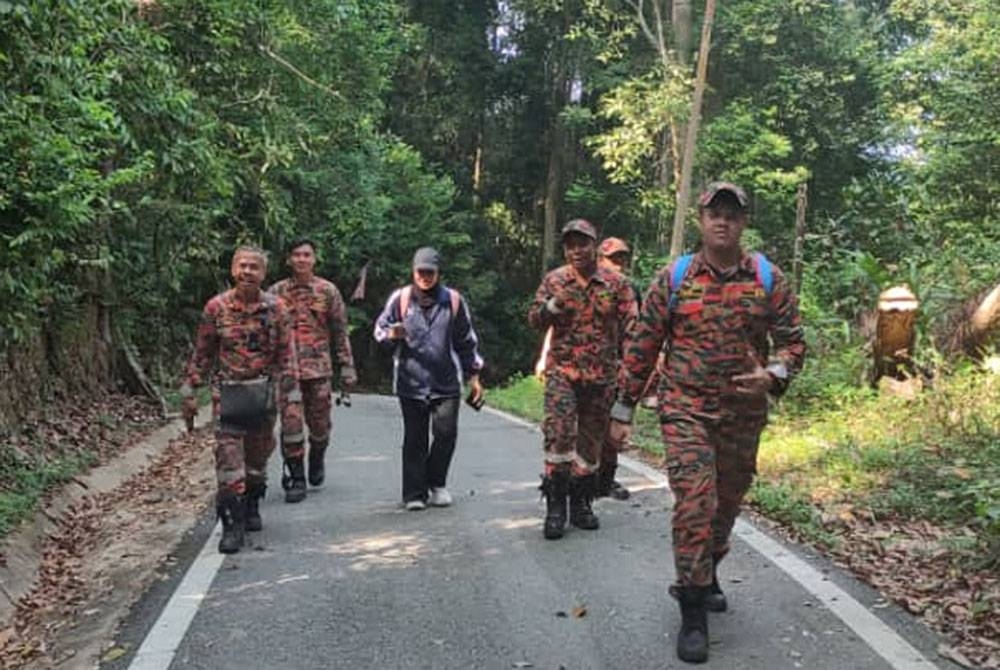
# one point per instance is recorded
(440, 349)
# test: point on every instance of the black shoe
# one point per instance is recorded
(317, 469)
(692, 641)
(230, 507)
(255, 493)
(715, 599)
(581, 495)
(294, 480)
(555, 489)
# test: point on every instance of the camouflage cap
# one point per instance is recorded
(581, 226)
(613, 245)
(717, 187)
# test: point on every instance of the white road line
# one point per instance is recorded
(161, 643)
(883, 640)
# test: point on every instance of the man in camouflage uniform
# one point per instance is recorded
(614, 254)
(245, 335)
(590, 308)
(718, 323)
(318, 315)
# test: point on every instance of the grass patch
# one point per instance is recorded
(26, 481)
(935, 458)
(523, 396)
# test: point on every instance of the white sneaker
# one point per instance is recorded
(415, 505)
(440, 497)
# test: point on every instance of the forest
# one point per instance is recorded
(142, 140)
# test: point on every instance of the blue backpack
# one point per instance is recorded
(678, 271)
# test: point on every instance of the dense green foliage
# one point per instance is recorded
(142, 140)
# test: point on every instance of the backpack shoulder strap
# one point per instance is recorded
(404, 300)
(677, 273)
(765, 272)
(456, 301)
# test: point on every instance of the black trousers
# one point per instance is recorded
(425, 465)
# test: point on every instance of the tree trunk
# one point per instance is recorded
(680, 20)
(553, 197)
(977, 325)
(687, 163)
(477, 171)
(665, 169)
(801, 201)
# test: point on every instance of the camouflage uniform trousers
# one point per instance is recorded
(710, 463)
(609, 448)
(241, 457)
(316, 401)
(575, 425)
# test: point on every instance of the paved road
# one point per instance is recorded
(348, 579)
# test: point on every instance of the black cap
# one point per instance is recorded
(717, 187)
(427, 258)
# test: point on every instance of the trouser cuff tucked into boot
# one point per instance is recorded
(555, 488)
(692, 641)
(715, 599)
(255, 493)
(230, 506)
(294, 479)
(317, 468)
(581, 495)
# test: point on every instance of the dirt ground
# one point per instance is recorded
(107, 550)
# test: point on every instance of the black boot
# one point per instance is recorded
(715, 599)
(294, 479)
(581, 494)
(317, 470)
(607, 486)
(619, 492)
(230, 507)
(605, 476)
(555, 488)
(692, 641)
(255, 493)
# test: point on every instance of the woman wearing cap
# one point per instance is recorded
(429, 329)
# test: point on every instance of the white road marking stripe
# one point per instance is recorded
(883, 640)
(161, 643)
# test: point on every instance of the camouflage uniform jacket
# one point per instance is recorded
(238, 341)
(588, 333)
(318, 314)
(719, 326)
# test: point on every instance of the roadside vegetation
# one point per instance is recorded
(904, 492)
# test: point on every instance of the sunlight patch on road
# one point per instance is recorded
(365, 458)
(387, 550)
(514, 524)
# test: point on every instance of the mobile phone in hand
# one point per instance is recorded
(475, 404)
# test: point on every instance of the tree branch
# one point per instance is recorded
(661, 42)
(298, 73)
(640, 13)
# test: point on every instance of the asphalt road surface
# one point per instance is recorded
(348, 579)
